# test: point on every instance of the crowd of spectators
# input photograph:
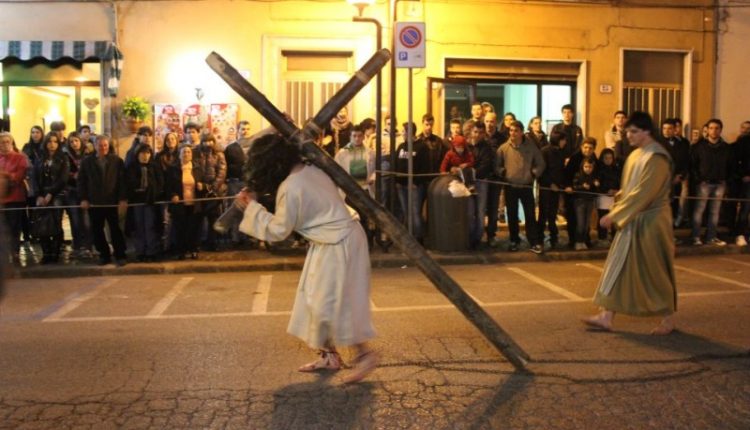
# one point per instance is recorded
(165, 196)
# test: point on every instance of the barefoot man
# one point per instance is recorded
(638, 276)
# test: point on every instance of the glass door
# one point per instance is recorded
(449, 99)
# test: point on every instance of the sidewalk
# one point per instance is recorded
(292, 259)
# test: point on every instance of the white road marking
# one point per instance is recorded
(167, 300)
(732, 260)
(714, 277)
(546, 284)
(260, 302)
(78, 301)
(591, 266)
(372, 306)
(378, 310)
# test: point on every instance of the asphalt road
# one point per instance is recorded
(211, 351)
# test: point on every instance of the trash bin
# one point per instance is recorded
(447, 217)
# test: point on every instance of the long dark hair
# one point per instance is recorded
(41, 130)
(269, 162)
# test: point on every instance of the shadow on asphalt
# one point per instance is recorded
(499, 408)
(694, 346)
(322, 405)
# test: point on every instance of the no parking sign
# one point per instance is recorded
(410, 46)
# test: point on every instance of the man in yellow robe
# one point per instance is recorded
(638, 277)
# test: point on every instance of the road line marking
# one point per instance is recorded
(79, 300)
(744, 263)
(49, 310)
(372, 306)
(591, 266)
(167, 300)
(711, 293)
(379, 310)
(479, 302)
(260, 302)
(714, 277)
(548, 285)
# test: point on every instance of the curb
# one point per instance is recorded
(249, 262)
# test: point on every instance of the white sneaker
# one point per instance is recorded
(741, 241)
(697, 241)
(716, 242)
(580, 246)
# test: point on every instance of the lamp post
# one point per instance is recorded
(361, 5)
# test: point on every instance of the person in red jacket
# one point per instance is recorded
(457, 157)
(13, 168)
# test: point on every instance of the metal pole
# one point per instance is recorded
(392, 109)
(378, 109)
(362, 200)
(410, 148)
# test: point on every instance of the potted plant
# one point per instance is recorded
(135, 109)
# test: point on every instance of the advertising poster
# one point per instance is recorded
(166, 120)
(197, 114)
(222, 122)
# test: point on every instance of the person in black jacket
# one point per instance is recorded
(145, 183)
(101, 187)
(585, 183)
(50, 177)
(235, 156)
(711, 165)
(402, 181)
(551, 182)
(679, 150)
(33, 150)
(609, 174)
(742, 169)
(573, 166)
(79, 223)
(184, 184)
(484, 167)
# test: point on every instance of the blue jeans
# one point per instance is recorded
(79, 221)
(234, 186)
(416, 209)
(706, 190)
(584, 206)
(147, 241)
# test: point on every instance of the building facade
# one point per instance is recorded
(673, 58)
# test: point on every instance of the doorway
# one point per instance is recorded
(38, 92)
(452, 99)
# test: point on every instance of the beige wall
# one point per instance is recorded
(733, 69)
(165, 42)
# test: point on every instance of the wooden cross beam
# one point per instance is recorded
(361, 199)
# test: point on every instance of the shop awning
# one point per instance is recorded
(79, 50)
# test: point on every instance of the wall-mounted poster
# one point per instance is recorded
(166, 120)
(222, 122)
(197, 114)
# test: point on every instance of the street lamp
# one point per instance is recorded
(361, 4)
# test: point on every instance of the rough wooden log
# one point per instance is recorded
(362, 200)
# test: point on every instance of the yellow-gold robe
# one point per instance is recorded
(638, 277)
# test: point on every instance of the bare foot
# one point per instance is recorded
(601, 321)
(364, 364)
(665, 327)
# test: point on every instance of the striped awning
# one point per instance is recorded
(79, 50)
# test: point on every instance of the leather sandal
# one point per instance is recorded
(329, 360)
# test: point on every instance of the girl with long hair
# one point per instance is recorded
(50, 177)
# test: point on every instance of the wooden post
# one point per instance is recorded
(362, 200)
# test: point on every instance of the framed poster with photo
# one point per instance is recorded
(195, 113)
(222, 122)
(166, 119)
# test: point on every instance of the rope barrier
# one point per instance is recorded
(559, 190)
(383, 173)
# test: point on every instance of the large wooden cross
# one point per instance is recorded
(304, 138)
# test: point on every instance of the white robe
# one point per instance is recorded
(333, 295)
